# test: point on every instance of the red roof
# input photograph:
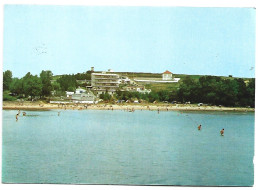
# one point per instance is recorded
(167, 72)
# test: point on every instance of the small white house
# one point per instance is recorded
(69, 94)
(167, 75)
(84, 97)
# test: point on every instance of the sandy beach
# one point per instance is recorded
(129, 107)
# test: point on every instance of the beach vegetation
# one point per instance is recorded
(67, 81)
(8, 97)
(215, 90)
(46, 77)
(106, 97)
(83, 76)
(7, 79)
(16, 86)
(32, 85)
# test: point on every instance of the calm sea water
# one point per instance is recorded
(118, 147)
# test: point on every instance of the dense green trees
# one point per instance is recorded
(251, 92)
(83, 76)
(217, 91)
(46, 77)
(7, 79)
(188, 90)
(151, 97)
(106, 96)
(32, 85)
(16, 87)
(41, 87)
(67, 82)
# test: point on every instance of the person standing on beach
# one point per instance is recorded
(199, 127)
(222, 132)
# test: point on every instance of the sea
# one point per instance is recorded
(129, 148)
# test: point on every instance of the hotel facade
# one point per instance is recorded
(104, 82)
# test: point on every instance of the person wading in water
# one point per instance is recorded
(199, 127)
(222, 132)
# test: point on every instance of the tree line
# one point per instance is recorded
(29, 85)
(40, 86)
(212, 90)
(215, 90)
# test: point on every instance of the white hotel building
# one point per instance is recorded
(104, 82)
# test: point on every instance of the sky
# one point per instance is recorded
(183, 40)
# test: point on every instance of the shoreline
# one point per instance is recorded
(35, 106)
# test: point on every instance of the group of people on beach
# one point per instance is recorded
(221, 131)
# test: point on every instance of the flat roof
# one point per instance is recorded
(104, 74)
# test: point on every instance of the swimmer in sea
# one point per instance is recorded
(16, 117)
(24, 113)
(199, 127)
(222, 132)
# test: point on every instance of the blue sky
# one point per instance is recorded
(71, 39)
